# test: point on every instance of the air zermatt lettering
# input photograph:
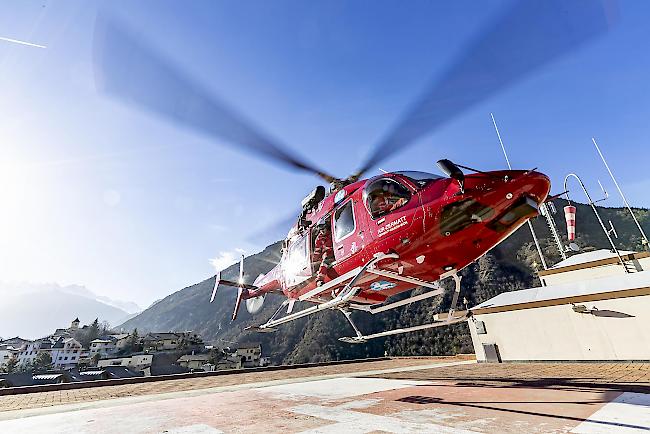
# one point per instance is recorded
(389, 227)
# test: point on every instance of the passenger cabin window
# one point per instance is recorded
(297, 258)
(384, 196)
(344, 221)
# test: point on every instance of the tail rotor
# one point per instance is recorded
(243, 291)
(217, 280)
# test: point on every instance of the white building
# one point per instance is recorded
(194, 361)
(163, 341)
(16, 342)
(135, 361)
(590, 310)
(30, 350)
(7, 352)
(122, 340)
(103, 347)
(249, 354)
(66, 353)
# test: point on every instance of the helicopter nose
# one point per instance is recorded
(524, 192)
(535, 185)
(510, 185)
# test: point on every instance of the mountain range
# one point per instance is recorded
(35, 310)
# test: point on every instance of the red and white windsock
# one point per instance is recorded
(570, 216)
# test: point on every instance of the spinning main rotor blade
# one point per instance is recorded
(126, 68)
(526, 37)
(275, 231)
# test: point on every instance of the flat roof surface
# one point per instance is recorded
(620, 282)
(596, 255)
(446, 395)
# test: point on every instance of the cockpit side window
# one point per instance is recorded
(384, 196)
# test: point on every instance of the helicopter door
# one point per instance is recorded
(347, 231)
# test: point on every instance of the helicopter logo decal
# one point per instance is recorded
(382, 285)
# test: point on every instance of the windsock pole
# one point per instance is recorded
(593, 207)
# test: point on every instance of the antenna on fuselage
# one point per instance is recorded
(530, 225)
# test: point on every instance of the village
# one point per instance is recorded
(95, 352)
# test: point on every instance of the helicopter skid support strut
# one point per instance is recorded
(451, 317)
(344, 296)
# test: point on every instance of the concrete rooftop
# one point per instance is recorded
(447, 395)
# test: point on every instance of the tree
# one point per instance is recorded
(134, 341)
(216, 355)
(105, 328)
(93, 330)
(10, 367)
(25, 367)
(89, 334)
(42, 361)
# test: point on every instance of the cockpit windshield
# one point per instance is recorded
(419, 178)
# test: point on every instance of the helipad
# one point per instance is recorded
(446, 395)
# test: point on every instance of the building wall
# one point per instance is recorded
(28, 353)
(194, 364)
(163, 344)
(102, 348)
(559, 333)
(132, 361)
(68, 356)
(250, 356)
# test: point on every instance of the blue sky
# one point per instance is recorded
(100, 194)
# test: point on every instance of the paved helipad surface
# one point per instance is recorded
(402, 395)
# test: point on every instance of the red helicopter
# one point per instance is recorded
(367, 240)
(392, 232)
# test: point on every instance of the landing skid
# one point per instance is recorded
(360, 338)
(342, 302)
(451, 317)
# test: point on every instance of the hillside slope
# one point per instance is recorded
(509, 266)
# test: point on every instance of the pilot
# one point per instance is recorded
(387, 200)
(323, 251)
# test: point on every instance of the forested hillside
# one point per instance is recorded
(509, 266)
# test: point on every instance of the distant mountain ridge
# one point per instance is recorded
(37, 313)
(510, 266)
